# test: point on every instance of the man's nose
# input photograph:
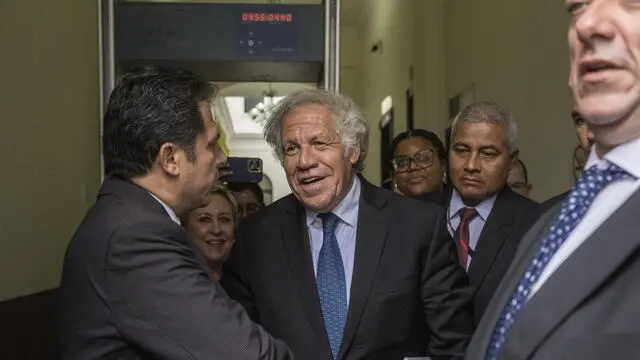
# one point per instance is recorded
(306, 158)
(472, 163)
(595, 21)
(221, 157)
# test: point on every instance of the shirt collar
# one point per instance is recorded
(483, 209)
(172, 214)
(625, 156)
(347, 209)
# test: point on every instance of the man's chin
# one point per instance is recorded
(319, 203)
(601, 110)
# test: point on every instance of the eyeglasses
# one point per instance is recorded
(422, 160)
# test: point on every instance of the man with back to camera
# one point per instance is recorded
(573, 290)
(134, 286)
(342, 269)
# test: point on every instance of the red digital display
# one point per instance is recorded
(267, 17)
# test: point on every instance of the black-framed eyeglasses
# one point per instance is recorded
(422, 160)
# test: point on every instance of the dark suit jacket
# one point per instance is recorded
(588, 309)
(134, 286)
(512, 215)
(552, 202)
(407, 290)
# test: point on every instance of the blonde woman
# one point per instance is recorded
(213, 228)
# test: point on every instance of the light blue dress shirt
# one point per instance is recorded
(475, 226)
(346, 231)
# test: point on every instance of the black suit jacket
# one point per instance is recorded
(588, 308)
(511, 216)
(134, 286)
(407, 290)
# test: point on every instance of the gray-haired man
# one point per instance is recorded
(342, 269)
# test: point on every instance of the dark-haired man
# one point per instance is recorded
(134, 286)
(249, 196)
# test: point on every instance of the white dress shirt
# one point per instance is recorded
(172, 214)
(625, 156)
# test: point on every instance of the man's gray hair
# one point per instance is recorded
(351, 124)
(488, 112)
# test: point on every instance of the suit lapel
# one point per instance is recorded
(584, 271)
(296, 242)
(373, 222)
(492, 237)
(528, 246)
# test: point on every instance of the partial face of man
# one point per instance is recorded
(517, 181)
(200, 175)
(317, 169)
(585, 136)
(479, 160)
(604, 41)
(247, 203)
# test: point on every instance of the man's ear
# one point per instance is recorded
(354, 155)
(169, 158)
(515, 154)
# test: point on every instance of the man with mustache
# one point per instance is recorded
(484, 216)
(573, 290)
(342, 269)
(585, 140)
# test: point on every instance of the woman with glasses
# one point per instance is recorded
(418, 161)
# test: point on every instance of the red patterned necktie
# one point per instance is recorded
(462, 234)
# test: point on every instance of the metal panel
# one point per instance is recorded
(219, 32)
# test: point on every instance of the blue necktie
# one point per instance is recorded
(332, 286)
(574, 206)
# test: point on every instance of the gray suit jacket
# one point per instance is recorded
(134, 286)
(588, 309)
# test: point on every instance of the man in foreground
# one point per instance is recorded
(573, 290)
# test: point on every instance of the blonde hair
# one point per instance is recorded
(222, 190)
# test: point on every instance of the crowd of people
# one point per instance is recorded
(456, 264)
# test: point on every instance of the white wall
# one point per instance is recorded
(386, 71)
(516, 53)
(513, 52)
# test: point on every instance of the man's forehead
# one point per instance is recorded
(481, 132)
(308, 134)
